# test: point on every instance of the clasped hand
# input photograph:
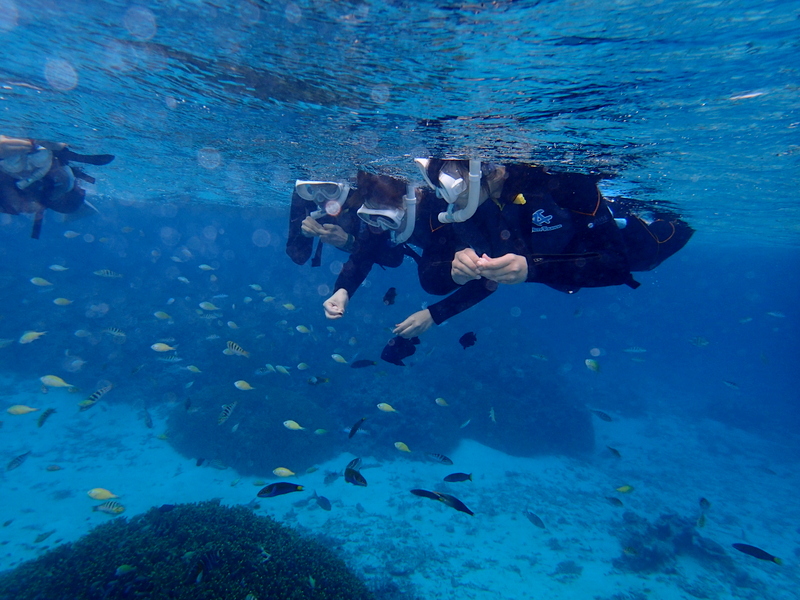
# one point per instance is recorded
(508, 269)
(328, 233)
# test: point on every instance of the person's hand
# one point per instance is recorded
(416, 324)
(336, 304)
(333, 235)
(13, 146)
(464, 267)
(508, 269)
(310, 228)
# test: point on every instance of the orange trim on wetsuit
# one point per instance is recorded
(596, 206)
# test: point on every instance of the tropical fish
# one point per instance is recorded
(302, 367)
(40, 281)
(94, 398)
(704, 504)
(383, 406)
(160, 314)
(81, 333)
(182, 279)
(69, 234)
(30, 336)
(17, 461)
(44, 416)
(635, 350)
(101, 494)
(20, 409)
(124, 570)
(58, 268)
(208, 306)
(614, 501)
(625, 489)
(289, 306)
(281, 369)
(52, 468)
(353, 475)
(193, 369)
(360, 364)
(389, 296)
(534, 518)
(602, 416)
(43, 536)
(457, 477)
(757, 553)
(465, 423)
(205, 267)
(399, 348)
(614, 451)
(468, 339)
(303, 329)
(282, 472)
(162, 347)
(255, 286)
(322, 502)
(492, 416)
(339, 358)
(592, 365)
(317, 380)
(232, 325)
(235, 349)
(293, 425)
(110, 507)
(441, 402)
(440, 458)
(356, 427)
(62, 302)
(227, 409)
(279, 489)
(108, 273)
(454, 502)
(173, 358)
(54, 381)
(112, 331)
(243, 385)
(402, 447)
(425, 494)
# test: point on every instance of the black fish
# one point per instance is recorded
(389, 296)
(614, 501)
(468, 339)
(354, 477)
(399, 348)
(757, 553)
(17, 461)
(440, 458)
(704, 504)
(354, 464)
(355, 427)
(425, 494)
(456, 477)
(454, 502)
(614, 451)
(602, 416)
(322, 502)
(360, 364)
(330, 477)
(199, 462)
(533, 518)
(279, 489)
(44, 416)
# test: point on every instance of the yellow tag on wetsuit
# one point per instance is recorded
(520, 199)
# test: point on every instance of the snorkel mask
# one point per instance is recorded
(329, 196)
(392, 219)
(451, 186)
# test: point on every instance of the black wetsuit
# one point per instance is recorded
(559, 222)
(438, 244)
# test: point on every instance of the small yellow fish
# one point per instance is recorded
(269, 299)
(282, 472)
(193, 369)
(110, 508)
(625, 489)
(40, 282)
(162, 347)
(441, 402)
(289, 306)
(255, 286)
(320, 431)
(160, 314)
(339, 358)
(232, 325)
(208, 306)
(592, 365)
(57, 268)
(30, 336)
(54, 381)
(302, 367)
(331, 329)
(20, 409)
(182, 279)
(243, 385)
(205, 267)
(62, 302)
(402, 447)
(386, 407)
(293, 425)
(81, 333)
(101, 494)
(303, 329)
(281, 369)
(69, 234)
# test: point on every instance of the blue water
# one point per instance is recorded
(212, 113)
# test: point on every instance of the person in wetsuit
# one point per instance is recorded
(36, 176)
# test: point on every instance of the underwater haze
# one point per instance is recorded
(620, 443)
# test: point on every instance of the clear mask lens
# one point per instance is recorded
(384, 218)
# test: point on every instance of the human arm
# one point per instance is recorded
(509, 268)
(13, 146)
(415, 325)
(464, 267)
(336, 305)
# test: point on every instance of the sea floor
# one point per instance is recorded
(425, 548)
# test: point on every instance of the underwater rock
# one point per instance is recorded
(191, 551)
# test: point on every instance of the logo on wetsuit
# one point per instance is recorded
(539, 219)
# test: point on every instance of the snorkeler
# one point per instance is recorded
(36, 176)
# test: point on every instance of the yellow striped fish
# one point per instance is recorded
(15, 462)
(107, 273)
(111, 507)
(235, 349)
(227, 409)
(114, 331)
(94, 398)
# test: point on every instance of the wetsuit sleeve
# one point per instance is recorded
(371, 249)
(467, 296)
(298, 246)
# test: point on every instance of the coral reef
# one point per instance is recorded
(191, 551)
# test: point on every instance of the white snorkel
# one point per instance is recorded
(329, 196)
(450, 189)
(411, 217)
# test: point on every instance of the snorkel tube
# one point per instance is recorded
(411, 217)
(473, 198)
